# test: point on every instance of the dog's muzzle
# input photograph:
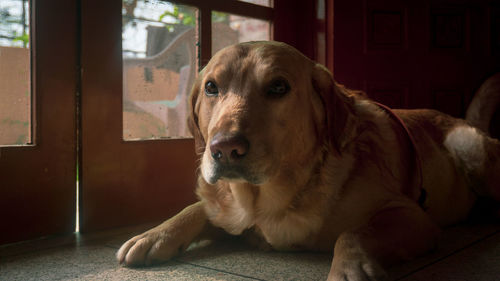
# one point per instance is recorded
(229, 159)
(229, 149)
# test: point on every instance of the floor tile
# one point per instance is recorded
(466, 252)
(172, 271)
(96, 263)
(112, 237)
(58, 263)
(480, 261)
(237, 257)
(452, 241)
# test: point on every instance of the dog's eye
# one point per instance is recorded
(211, 89)
(278, 88)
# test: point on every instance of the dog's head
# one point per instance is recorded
(261, 109)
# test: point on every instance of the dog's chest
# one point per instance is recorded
(288, 230)
(283, 226)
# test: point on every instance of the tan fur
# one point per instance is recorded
(486, 100)
(326, 169)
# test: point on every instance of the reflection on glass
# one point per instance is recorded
(15, 89)
(159, 66)
(228, 29)
(266, 3)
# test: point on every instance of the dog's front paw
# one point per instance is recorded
(156, 245)
(356, 269)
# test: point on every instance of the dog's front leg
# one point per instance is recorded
(393, 234)
(167, 239)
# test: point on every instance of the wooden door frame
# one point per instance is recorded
(38, 181)
(122, 182)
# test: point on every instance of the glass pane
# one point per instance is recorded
(15, 81)
(159, 66)
(228, 29)
(266, 3)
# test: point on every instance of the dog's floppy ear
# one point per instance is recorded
(193, 124)
(337, 104)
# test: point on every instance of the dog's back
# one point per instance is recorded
(460, 160)
(485, 106)
(481, 113)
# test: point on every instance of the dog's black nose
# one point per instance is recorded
(229, 148)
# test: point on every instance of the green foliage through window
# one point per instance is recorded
(14, 23)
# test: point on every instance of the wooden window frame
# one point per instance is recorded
(115, 190)
(77, 81)
(38, 181)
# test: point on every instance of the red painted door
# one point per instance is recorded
(38, 176)
(416, 53)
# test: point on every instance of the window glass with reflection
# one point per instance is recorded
(15, 80)
(159, 67)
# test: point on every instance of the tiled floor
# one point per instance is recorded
(466, 252)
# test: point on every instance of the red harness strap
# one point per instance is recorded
(423, 192)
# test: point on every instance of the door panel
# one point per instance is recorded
(38, 181)
(413, 54)
(122, 182)
(131, 182)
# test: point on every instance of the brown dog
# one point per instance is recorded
(304, 163)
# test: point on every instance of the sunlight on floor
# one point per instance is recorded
(77, 219)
